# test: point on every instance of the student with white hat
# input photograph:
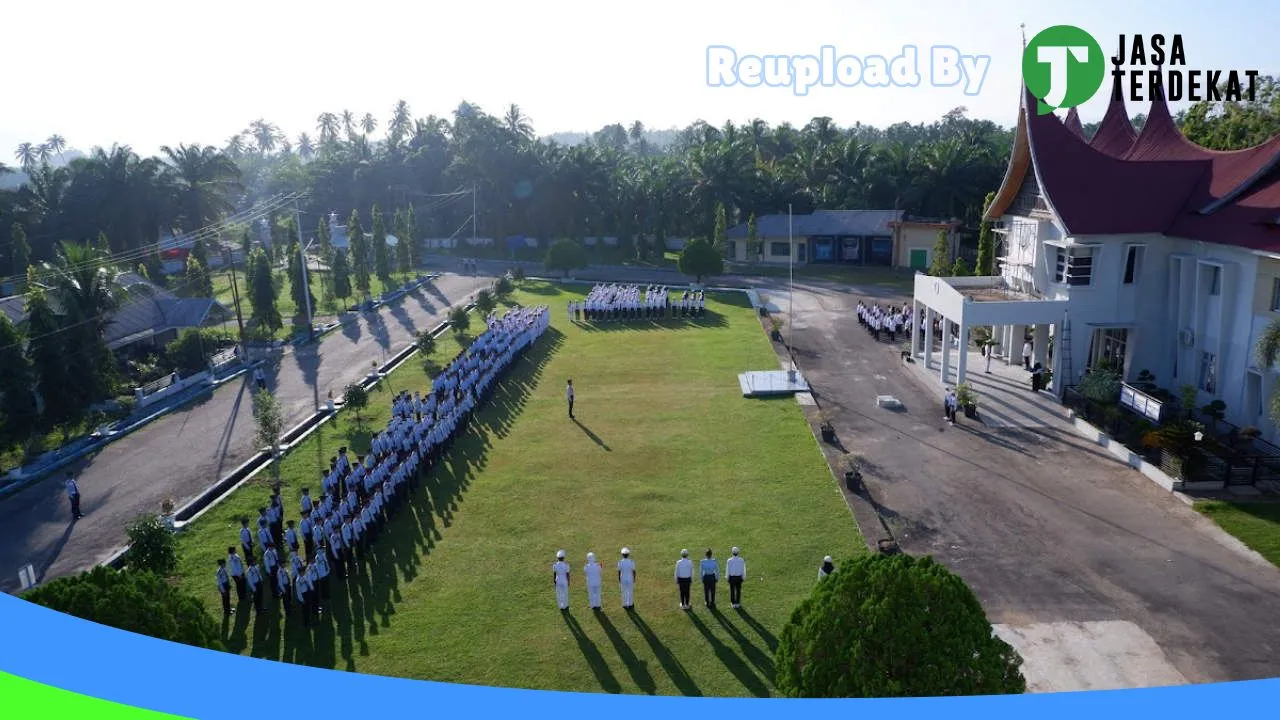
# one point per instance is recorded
(591, 574)
(560, 577)
(684, 578)
(827, 567)
(735, 568)
(627, 579)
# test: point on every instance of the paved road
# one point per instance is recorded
(184, 452)
(1049, 530)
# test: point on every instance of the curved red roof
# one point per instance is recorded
(1073, 124)
(1161, 183)
(1115, 134)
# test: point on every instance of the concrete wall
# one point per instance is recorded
(1172, 291)
(179, 386)
(918, 237)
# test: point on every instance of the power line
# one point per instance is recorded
(256, 212)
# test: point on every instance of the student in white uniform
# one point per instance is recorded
(627, 579)
(591, 574)
(568, 394)
(684, 578)
(235, 568)
(560, 577)
(735, 568)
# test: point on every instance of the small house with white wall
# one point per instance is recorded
(1140, 249)
(884, 238)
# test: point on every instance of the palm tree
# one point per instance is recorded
(235, 146)
(57, 144)
(205, 180)
(327, 126)
(27, 155)
(265, 134)
(44, 152)
(368, 123)
(306, 150)
(87, 291)
(517, 122)
(349, 123)
(398, 128)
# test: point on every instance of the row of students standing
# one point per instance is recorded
(337, 529)
(631, 302)
(883, 321)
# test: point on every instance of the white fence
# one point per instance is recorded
(173, 387)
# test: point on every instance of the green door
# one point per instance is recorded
(920, 259)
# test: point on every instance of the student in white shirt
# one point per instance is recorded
(735, 568)
(73, 495)
(224, 587)
(826, 568)
(591, 573)
(560, 578)
(235, 567)
(627, 579)
(568, 394)
(684, 578)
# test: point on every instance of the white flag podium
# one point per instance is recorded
(27, 577)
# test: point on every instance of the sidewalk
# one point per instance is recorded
(1005, 399)
(182, 453)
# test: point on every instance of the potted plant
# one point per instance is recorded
(967, 399)
(1250, 431)
(825, 427)
(1176, 443)
(775, 333)
(764, 311)
(852, 475)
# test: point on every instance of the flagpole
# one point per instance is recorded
(791, 285)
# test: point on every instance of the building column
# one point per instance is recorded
(915, 328)
(928, 338)
(1016, 335)
(1040, 345)
(962, 360)
(946, 349)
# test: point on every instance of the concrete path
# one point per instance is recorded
(1005, 399)
(181, 454)
(1075, 556)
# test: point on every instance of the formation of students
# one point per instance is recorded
(337, 528)
(615, 301)
(884, 321)
(708, 569)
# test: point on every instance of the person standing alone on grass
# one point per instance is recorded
(684, 578)
(592, 575)
(627, 579)
(560, 578)
(710, 571)
(736, 569)
(73, 489)
(568, 394)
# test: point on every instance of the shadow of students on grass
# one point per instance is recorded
(603, 674)
(594, 438)
(364, 604)
(679, 676)
(639, 673)
(761, 659)
(731, 660)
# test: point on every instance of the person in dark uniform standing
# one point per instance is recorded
(73, 495)
(568, 394)
(224, 587)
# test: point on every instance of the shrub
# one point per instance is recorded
(136, 601)
(503, 288)
(356, 398)
(893, 626)
(1101, 385)
(190, 353)
(485, 302)
(459, 319)
(152, 548)
(426, 342)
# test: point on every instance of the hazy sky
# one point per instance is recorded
(154, 73)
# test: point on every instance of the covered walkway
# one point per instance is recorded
(968, 302)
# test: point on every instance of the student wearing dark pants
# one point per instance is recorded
(736, 569)
(224, 587)
(568, 393)
(684, 578)
(710, 571)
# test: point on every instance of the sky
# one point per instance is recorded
(148, 74)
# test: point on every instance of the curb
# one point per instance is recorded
(25, 481)
(250, 468)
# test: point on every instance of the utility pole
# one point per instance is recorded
(474, 218)
(306, 284)
(235, 297)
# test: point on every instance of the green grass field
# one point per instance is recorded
(1256, 524)
(667, 455)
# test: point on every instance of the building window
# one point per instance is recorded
(1209, 373)
(1133, 264)
(1074, 265)
(1275, 294)
(780, 249)
(1215, 280)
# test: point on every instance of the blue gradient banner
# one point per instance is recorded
(100, 662)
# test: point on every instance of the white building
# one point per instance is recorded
(1142, 249)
